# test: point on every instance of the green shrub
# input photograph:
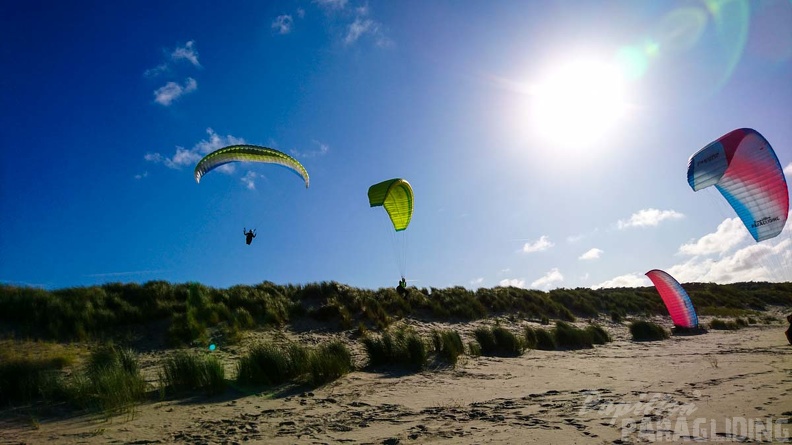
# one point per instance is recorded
(111, 382)
(598, 335)
(647, 331)
(571, 337)
(724, 325)
(545, 340)
(329, 361)
(499, 341)
(530, 338)
(474, 349)
(184, 371)
(403, 347)
(271, 364)
(448, 345)
(23, 380)
(486, 339)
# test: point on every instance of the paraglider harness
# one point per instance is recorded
(249, 235)
(402, 287)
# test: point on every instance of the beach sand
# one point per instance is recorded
(724, 385)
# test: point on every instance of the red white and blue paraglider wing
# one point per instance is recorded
(744, 168)
(675, 298)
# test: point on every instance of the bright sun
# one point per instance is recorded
(577, 102)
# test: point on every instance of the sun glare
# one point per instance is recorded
(577, 102)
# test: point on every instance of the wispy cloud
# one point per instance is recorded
(180, 53)
(191, 156)
(141, 175)
(186, 52)
(592, 254)
(730, 233)
(359, 27)
(628, 280)
(549, 279)
(788, 170)
(250, 180)
(477, 282)
(514, 282)
(171, 91)
(543, 243)
(649, 218)
(283, 24)
(321, 150)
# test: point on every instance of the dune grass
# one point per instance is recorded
(328, 362)
(110, 382)
(647, 331)
(570, 337)
(189, 371)
(448, 345)
(401, 347)
(727, 325)
(499, 341)
(272, 364)
(194, 312)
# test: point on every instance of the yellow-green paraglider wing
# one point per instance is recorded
(248, 153)
(396, 196)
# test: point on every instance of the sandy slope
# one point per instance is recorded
(716, 385)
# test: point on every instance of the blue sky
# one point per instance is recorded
(546, 141)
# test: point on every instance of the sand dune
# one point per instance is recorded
(725, 385)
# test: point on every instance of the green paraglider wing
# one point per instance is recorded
(396, 196)
(248, 153)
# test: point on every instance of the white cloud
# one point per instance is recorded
(551, 277)
(543, 243)
(157, 70)
(186, 52)
(171, 91)
(321, 150)
(649, 218)
(629, 280)
(283, 24)
(359, 27)
(250, 180)
(477, 282)
(300, 13)
(592, 254)
(788, 170)
(730, 233)
(514, 282)
(184, 157)
(141, 175)
(770, 260)
(575, 238)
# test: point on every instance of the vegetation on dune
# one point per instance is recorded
(195, 312)
(499, 341)
(269, 364)
(401, 347)
(728, 325)
(448, 345)
(647, 331)
(185, 371)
